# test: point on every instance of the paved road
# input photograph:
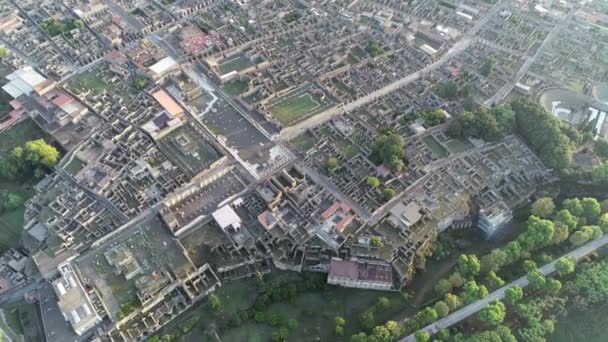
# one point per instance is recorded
(473, 308)
(460, 46)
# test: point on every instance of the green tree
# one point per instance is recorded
(292, 323)
(448, 90)
(388, 194)
(599, 174)
(592, 282)
(13, 201)
(553, 147)
(603, 222)
(432, 117)
(453, 301)
(539, 233)
(331, 163)
(469, 265)
(565, 265)
(443, 286)
(536, 278)
(513, 294)
(561, 233)
(376, 241)
(215, 302)
(486, 68)
(494, 261)
(574, 206)
(3, 52)
(493, 281)
(441, 308)
(340, 320)
(360, 337)
(428, 315)
(374, 182)
(422, 336)
(140, 82)
(578, 238)
(543, 207)
(472, 292)
(38, 152)
(565, 217)
(368, 319)
(553, 286)
(591, 209)
(494, 313)
(513, 250)
(339, 331)
(456, 279)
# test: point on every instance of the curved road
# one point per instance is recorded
(473, 308)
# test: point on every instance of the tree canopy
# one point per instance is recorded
(592, 282)
(389, 149)
(489, 124)
(513, 294)
(34, 158)
(543, 207)
(469, 265)
(543, 132)
(494, 313)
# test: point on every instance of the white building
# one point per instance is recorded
(73, 301)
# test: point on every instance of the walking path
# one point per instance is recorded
(475, 307)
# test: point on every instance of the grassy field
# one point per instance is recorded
(75, 166)
(293, 108)
(88, 80)
(235, 87)
(234, 64)
(315, 313)
(11, 222)
(435, 147)
(21, 318)
(303, 142)
(20, 134)
(582, 325)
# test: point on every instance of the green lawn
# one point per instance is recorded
(303, 142)
(11, 222)
(89, 80)
(234, 64)
(5, 106)
(582, 325)
(75, 166)
(20, 134)
(293, 108)
(435, 147)
(21, 318)
(235, 87)
(347, 148)
(315, 313)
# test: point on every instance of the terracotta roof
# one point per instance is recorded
(168, 103)
(334, 207)
(343, 269)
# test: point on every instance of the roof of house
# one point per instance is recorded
(334, 207)
(167, 102)
(163, 65)
(267, 219)
(343, 269)
(226, 216)
(409, 212)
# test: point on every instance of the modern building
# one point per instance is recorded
(494, 219)
(404, 216)
(73, 301)
(360, 274)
